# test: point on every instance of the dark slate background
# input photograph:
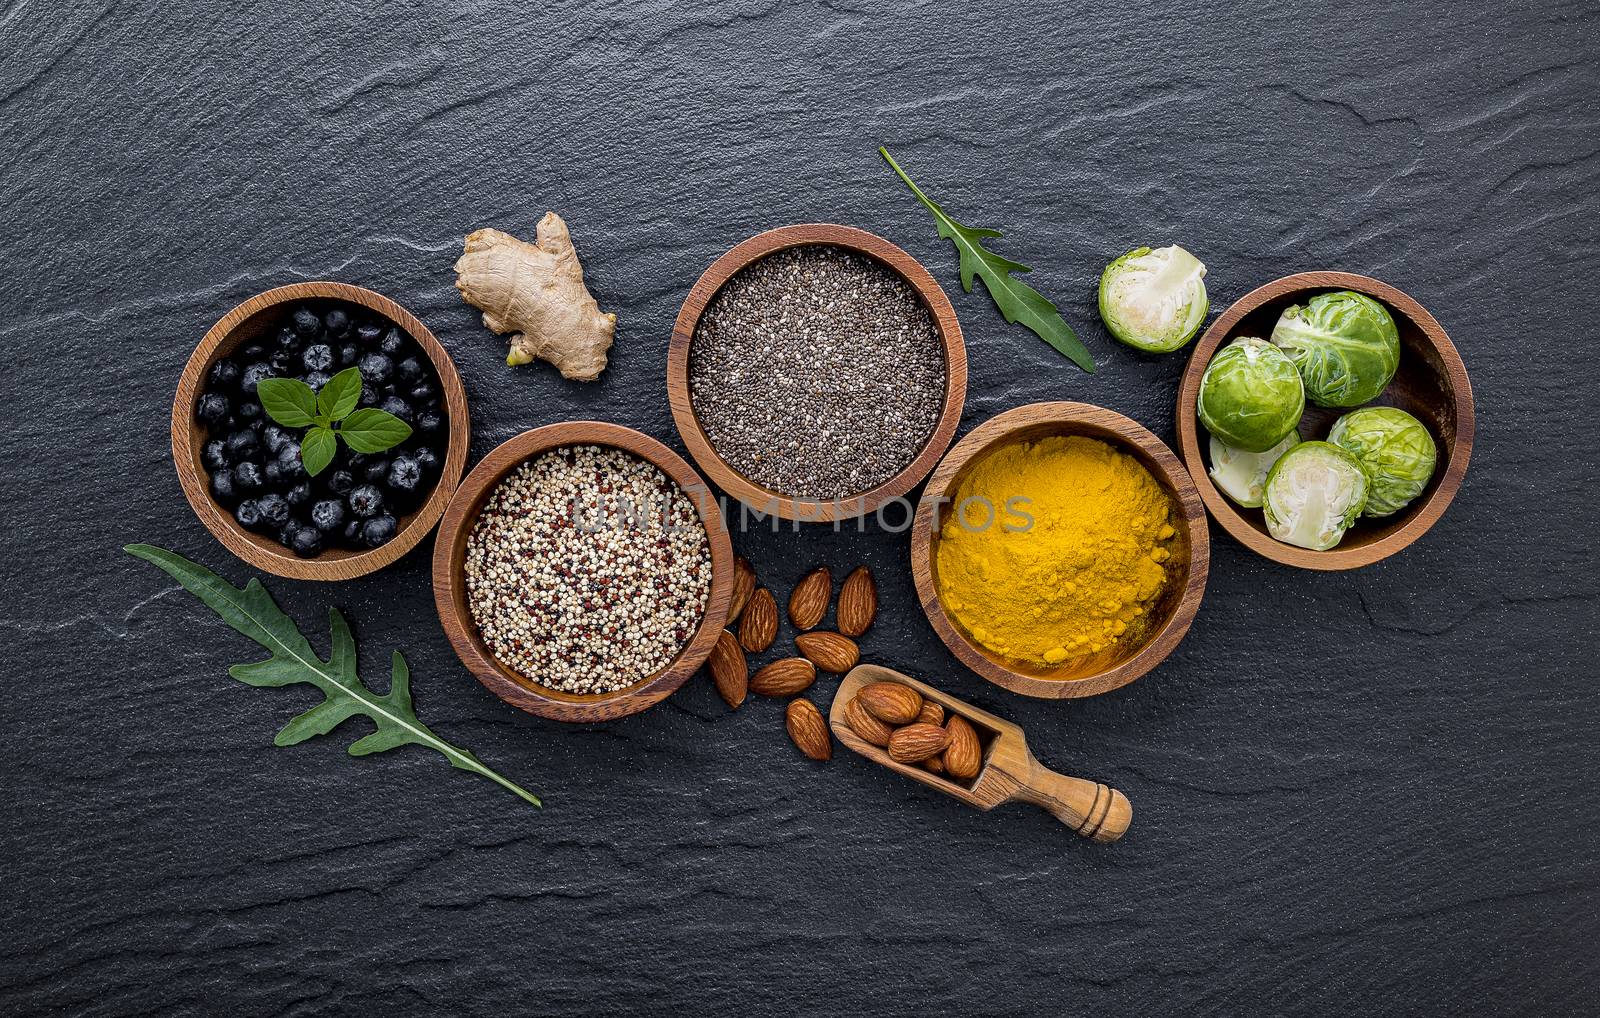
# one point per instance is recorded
(1372, 792)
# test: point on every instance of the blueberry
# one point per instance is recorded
(272, 474)
(275, 438)
(318, 357)
(424, 392)
(404, 474)
(352, 530)
(247, 477)
(212, 409)
(365, 501)
(392, 342)
(284, 363)
(248, 514)
(254, 374)
(223, 375)
(340, 482)
(369, 396)
(378, 530)
(427, 459)
(409, 370)
(305, 322)
(222, 487)
(399, 407)
(214, 455)
(336, 322)
(287, 338)
(241, 445)
(307, 542)
(375, 368)
(316, 379)
(274, 510)
(289, 463)
(253, 352)
(375, 469)
(328, 515)
(249, 410)
(349, 353)
(369, 333)
(298, 495)
(429, 422)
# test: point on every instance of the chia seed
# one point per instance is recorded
(817, 372)
(587, 570)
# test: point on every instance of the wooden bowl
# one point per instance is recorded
(450, 588)
(783, 504)
(1431, 384)
(251, 321)
(1190, 561)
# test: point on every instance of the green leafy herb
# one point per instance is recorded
(253, 612)
(1017, 301)
(329, 413)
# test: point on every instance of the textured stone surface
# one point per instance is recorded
(1371, 792)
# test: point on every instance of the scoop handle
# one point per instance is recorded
(1098, 812)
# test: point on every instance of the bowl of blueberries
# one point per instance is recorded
(338, 479)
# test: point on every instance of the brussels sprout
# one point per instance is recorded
(1242, 475)
(1250, 395)
(1345, 344)
(1154, 300)
(1314, 493)
(1394, 448)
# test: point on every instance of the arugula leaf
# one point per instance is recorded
(372, 430)
(317, 449)
(288, 401)
(1017, 301)
(339, 394)
(253, 612)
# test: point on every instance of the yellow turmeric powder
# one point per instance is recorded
(1078, 579)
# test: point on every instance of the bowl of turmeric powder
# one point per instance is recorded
(1060, 550)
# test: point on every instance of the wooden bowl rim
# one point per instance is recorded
(448, 568)
(1170, 473)
(755, 248)
(1420, 516)
(332, 564)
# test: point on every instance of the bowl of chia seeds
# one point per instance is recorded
(816, 372)
(583, 571)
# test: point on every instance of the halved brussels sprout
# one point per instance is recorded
(1242, 475)
(1345, 344)
(1394, 448)
(1314, 493)
(1154, 300)
(1251, 396)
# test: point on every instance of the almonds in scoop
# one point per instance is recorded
(891, 702)
(758, 626)
(934, 764)
(864, 724)
(809, 602)
(807, 729)
(829, 651)
(783, 677)
(915, 743)
(744, 584)
(931, 713)
(729, 672)
(858, 602)
(963, 756)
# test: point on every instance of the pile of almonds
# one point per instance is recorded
(914, 730)
(753, 627)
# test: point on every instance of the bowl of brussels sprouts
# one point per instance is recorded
(1327, 420)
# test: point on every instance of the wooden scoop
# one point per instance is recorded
(1009, 772)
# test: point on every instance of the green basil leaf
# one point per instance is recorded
(317, 449)
(338, 396)
(288, 401)
(372, 430)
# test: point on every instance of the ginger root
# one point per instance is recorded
(536, 291)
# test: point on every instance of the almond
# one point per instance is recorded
(758, 626)
(931, 714)
(963, 756)
(784, 677)
(915, 743)
(933, 764)
(729, 671)
(807, 729)
(864, 724)
(892, 702)
(744, 584)
(830, 651)
(809, 602)
(858, 602)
